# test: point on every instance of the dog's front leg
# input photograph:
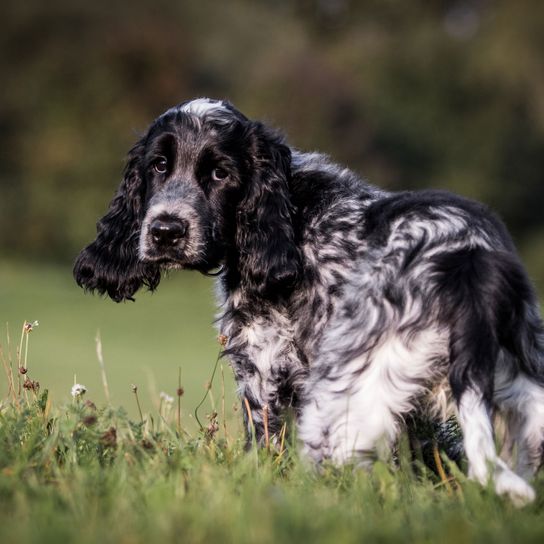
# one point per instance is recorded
(266, 399)
(269, 375)
(267, 366)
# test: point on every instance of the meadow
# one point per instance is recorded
(143, 343)
(92, 468)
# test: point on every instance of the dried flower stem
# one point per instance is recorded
(250, 418)
(23, 363)
(18, 358)
(265, 423)
(8, 363)
(179, 393)
(26, 350)
(223, 411)
(440, 468)
(102, 366)
(9, 374)
(135, 391)
(208, 390)
(282, 441)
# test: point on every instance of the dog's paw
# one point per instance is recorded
(516, 488)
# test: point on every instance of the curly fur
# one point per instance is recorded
(348, 305)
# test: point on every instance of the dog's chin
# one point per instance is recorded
(179, 262)
(166, 261)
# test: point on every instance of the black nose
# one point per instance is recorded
(167, 232)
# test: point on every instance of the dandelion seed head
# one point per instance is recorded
(78, 390)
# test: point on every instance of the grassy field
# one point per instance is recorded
(73, 471)
(143, 342)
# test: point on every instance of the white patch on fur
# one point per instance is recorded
(203, 106)
(478, 435)
(362, 402)
(482, 455)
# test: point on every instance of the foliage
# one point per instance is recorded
(411, 94)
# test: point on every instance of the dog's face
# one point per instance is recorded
(195, 161)
(204, 187)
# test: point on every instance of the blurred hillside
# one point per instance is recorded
(411, 94)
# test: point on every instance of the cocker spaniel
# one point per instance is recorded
(352, 305)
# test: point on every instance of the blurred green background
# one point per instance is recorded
(411, 94)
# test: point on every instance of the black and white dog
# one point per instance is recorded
(352, 305)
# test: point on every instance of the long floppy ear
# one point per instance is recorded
(110, 264)
(269, 260)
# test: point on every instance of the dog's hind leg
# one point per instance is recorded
(519, 391)
(472, 358)
(522, 402)
(485, 294)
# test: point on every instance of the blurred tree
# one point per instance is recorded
(411, 94)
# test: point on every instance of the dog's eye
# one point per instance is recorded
(160, 165)
(219, 174)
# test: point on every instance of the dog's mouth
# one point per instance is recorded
(179, 262)
(165, 261)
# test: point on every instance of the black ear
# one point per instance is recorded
(269, 260)
(110, 264)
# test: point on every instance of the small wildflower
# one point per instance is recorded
(78, 390)
(109, 438)
(29, 326)
(134, 388)
(147, 444)
(23, 370)
(90, 404)
(90, 420)
(31, 385)
(167, 399)
(222, 339)
(180, 391)
(213, 426)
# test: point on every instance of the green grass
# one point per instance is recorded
(66, 476)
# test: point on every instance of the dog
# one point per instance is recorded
(352, 306)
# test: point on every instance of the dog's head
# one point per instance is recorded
(204, 187)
